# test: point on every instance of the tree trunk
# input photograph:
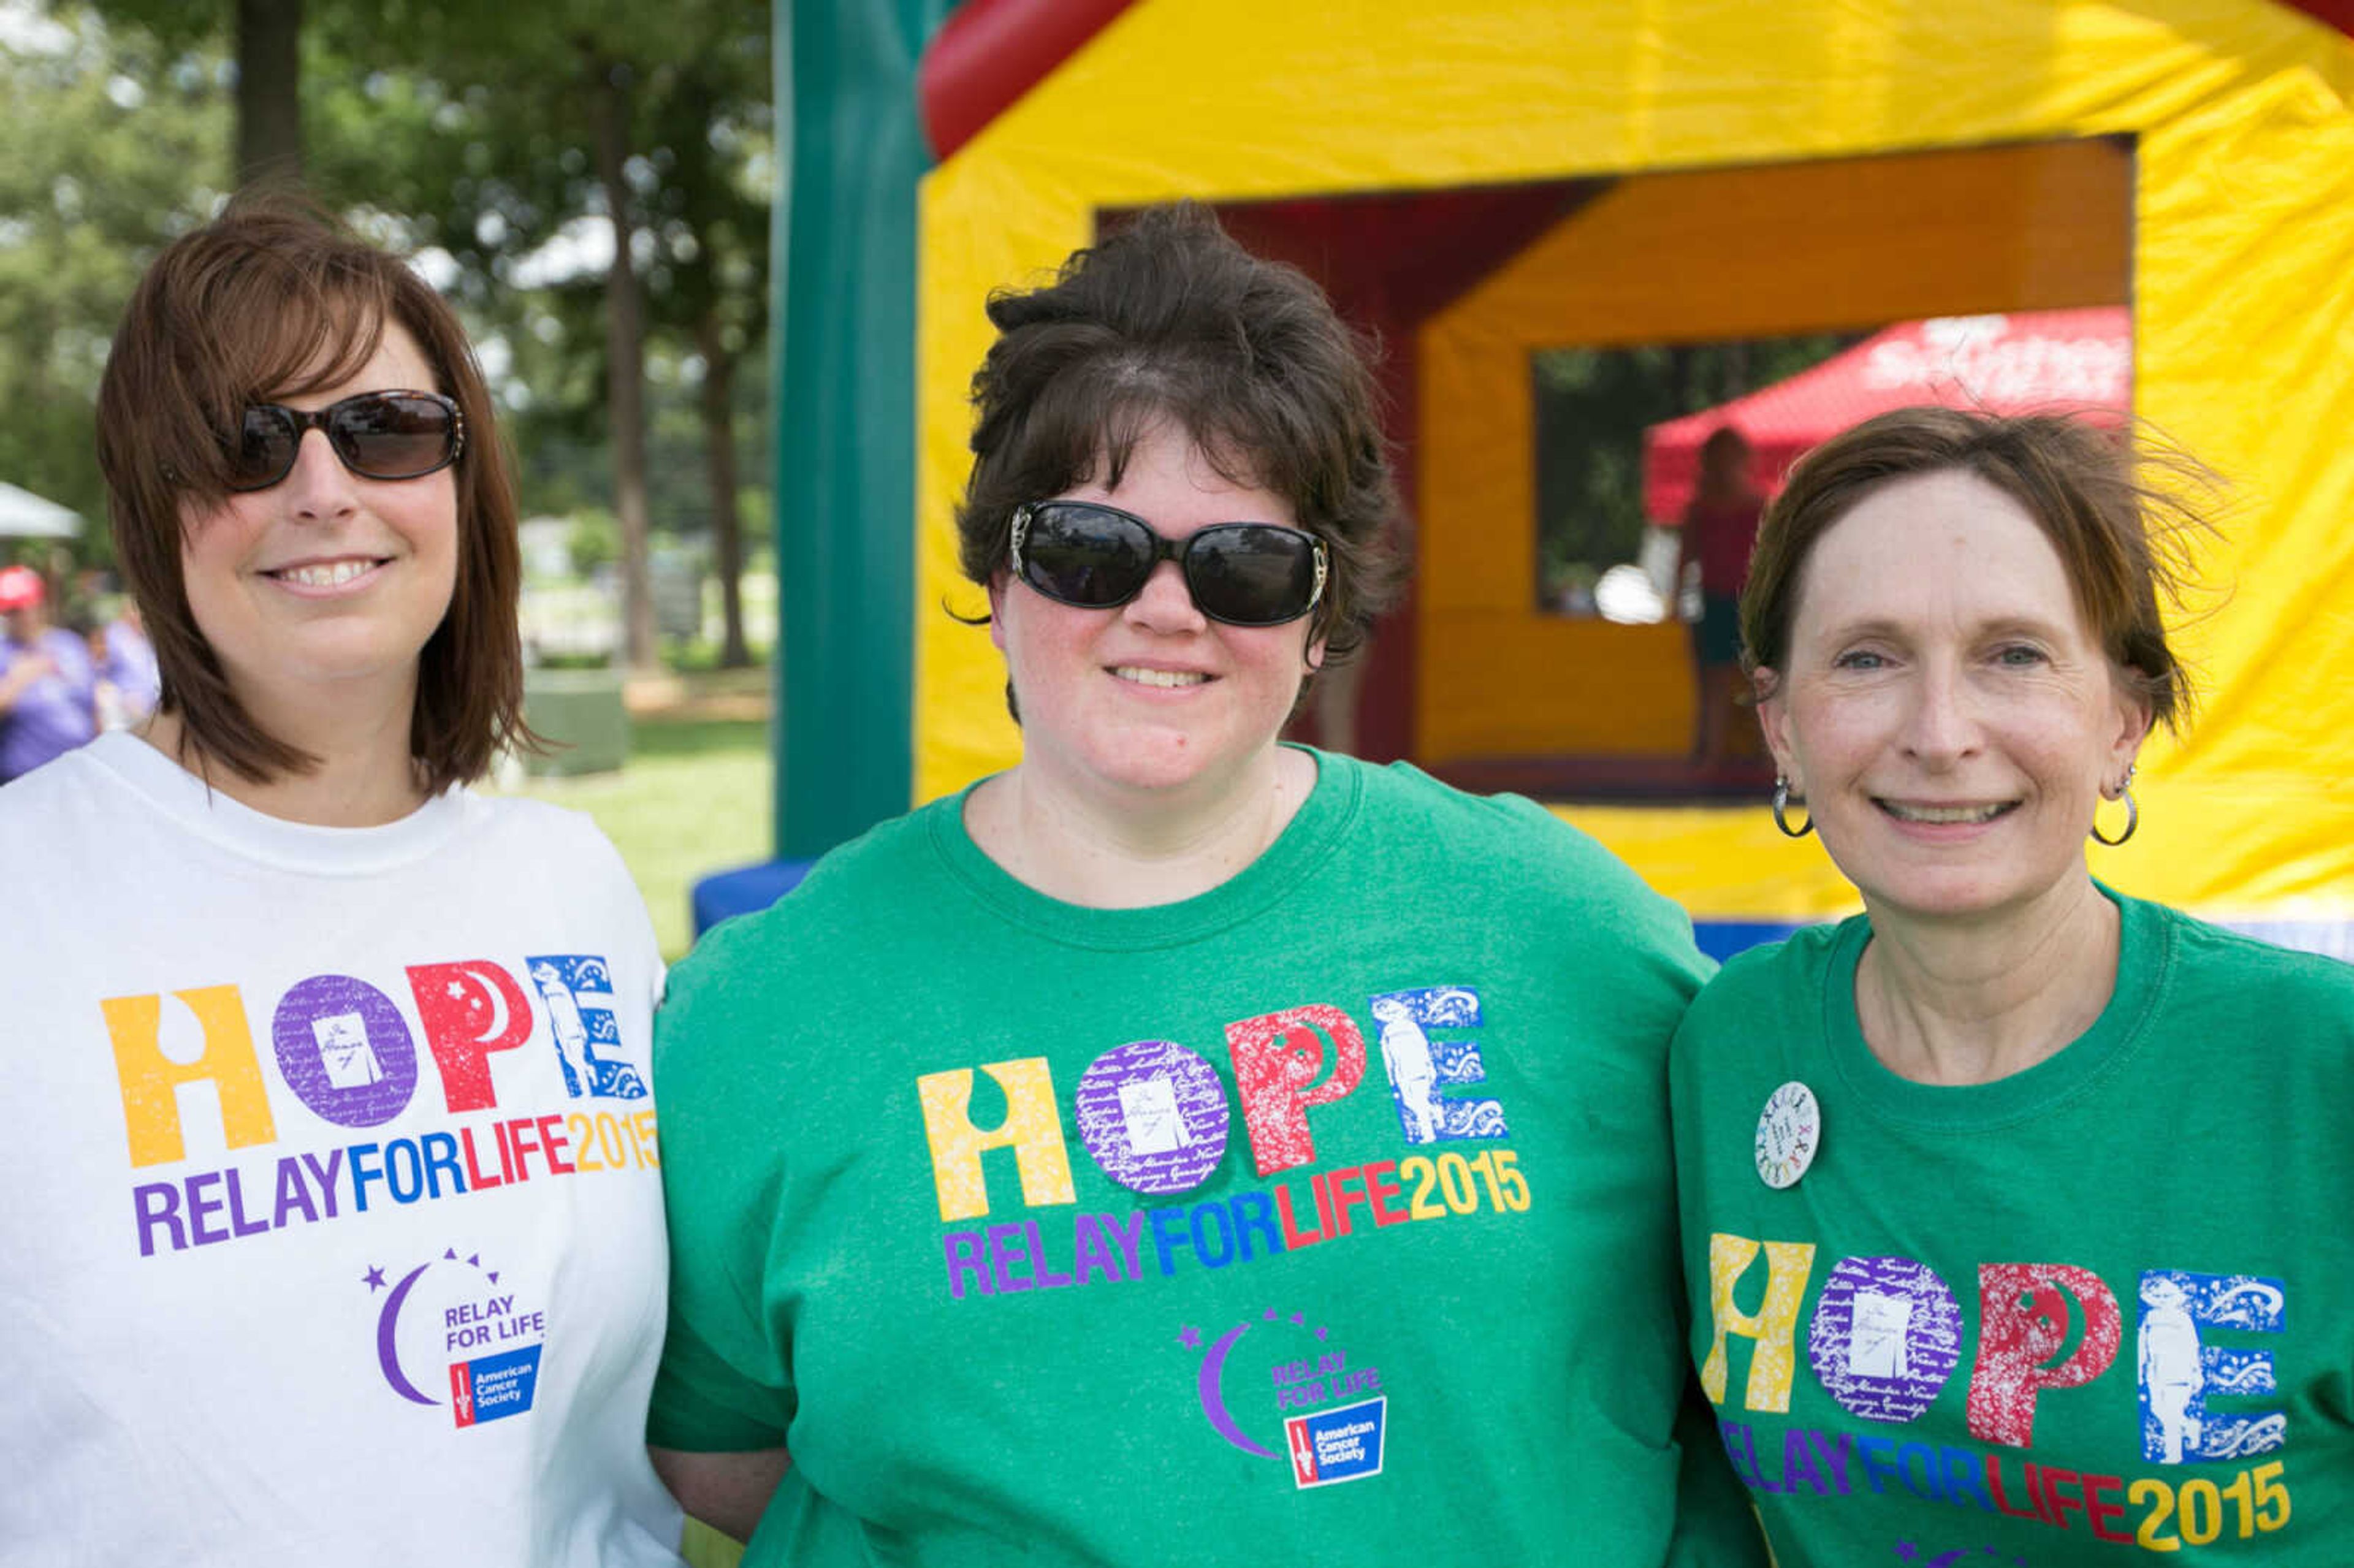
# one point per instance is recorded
(268, 91)
(719, 461)
(1737, 369)
(1682, 381)
(625, 360)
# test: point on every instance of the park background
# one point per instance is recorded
(725, 261)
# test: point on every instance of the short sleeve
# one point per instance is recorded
(721, 1386)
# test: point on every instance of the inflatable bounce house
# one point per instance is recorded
(2164, 189)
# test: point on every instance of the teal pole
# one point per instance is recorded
(844, 388)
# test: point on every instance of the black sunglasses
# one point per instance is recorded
(378, 435)
(1093, 557)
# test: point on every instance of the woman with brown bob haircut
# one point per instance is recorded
(1099, 1164)
(290, 306)
(354, 1297)
(1997, 1197)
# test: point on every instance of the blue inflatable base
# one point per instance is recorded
(729, 893)
(725, 894)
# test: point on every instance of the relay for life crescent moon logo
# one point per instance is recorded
(452, 1332)
(1333, 1416)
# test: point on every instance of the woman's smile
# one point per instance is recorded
(325, 577)
(1943, 815)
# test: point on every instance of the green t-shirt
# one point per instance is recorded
(1324, 1217)
(2102, 1306)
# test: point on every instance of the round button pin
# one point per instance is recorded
(1789, 1131)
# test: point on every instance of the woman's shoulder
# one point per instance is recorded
(563, 836)
(1402, 800)
(524, 817)
(829, 909)
(60, 819)
(878, 864)
(2243, 969)
(59, 782)
(2240, 1015)
(1525, 867)
(1764, 981)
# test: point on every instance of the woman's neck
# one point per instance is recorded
(363, 776)
(1969, 1002)
(1106, 851)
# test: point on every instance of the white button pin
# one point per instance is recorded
(1789, 1132)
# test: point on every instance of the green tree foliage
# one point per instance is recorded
(262, 40)
(498, 134)
(110, 136)
(712, 122)
(508, 142)
(471, 130)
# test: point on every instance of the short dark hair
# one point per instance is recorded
(1169, 319)
(273, 299)
(2118, 510)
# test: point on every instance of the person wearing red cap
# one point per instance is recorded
(48, 691)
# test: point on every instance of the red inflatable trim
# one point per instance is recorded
(990, 52)
(2338, 14)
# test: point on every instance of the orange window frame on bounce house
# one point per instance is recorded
(1486, 179)
(1698, 256)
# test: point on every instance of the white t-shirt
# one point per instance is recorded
(329, 1208)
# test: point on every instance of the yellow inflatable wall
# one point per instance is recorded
(2222, 129)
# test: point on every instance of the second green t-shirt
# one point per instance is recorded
(1324, 1217)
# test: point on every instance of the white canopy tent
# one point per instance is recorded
(25, 516)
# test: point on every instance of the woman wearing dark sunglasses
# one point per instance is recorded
(335, 1233)
(1181, 1147)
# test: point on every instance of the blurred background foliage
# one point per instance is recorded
(590, 180)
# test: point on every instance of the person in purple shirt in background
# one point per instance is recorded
(128, 663)
(48, 687)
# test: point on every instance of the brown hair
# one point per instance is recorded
(2094, 492)
(1169, 319)
(273, 299)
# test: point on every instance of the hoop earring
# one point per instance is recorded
(1782, 798)
(2133, 816)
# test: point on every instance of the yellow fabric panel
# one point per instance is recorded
(962, 728)
(1730, 863)
(1721, 863)
(2242, 278)
(1239, 98)
(2245, 322)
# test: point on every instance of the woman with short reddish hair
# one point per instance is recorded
(2013, 1207)
(335, 1233)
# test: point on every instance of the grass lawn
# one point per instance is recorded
(694, 798)
(706, 1548)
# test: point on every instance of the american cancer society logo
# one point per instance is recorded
(493, 1386)
(1335, 1445)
